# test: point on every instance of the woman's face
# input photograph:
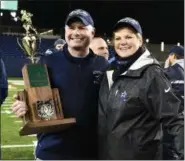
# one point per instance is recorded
(126, 42)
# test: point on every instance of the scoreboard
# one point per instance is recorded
(9, 5)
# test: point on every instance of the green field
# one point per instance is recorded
(13, 146)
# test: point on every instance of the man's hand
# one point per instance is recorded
(167, 63)
(19, 108)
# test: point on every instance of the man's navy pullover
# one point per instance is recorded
(78, 81)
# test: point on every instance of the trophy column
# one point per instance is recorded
(44, 106)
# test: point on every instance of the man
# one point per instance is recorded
(3, 82)
(100, 47)
(174, 69)
(58, 45)
(77, 73)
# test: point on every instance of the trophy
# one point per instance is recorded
(45, 112)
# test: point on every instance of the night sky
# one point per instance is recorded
(160, 20)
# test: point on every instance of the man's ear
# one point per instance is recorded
(93, 32)
(175, 57)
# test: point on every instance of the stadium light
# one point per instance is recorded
(178, 44)
(1, 13)
(15, 19)
(162, 46)
(13, 14)
(147, 40)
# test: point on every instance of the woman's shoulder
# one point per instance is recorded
(154, 71)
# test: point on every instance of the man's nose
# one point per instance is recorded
(105, 51)
(76, 31)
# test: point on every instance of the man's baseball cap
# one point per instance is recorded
(79, 14)
(179, 50)
(127, 21)
(59, 41)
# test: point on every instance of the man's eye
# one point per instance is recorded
(82, 28)
(71, 28)
(117, 38)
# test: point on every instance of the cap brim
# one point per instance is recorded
(123, 24)
(75, 19)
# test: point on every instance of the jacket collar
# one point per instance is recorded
(140, 65)
(77, 59)
(180, 62)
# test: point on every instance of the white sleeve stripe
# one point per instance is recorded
(177, 82)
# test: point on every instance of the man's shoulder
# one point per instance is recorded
(100, 63)
(171, 70)
(54, 54)
(100, 60)
(49, 51)
(175, 72)
(53, 58)
(178, 66)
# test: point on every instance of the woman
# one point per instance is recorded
(136, 101)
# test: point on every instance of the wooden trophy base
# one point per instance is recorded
(47, 126)
(35, 126)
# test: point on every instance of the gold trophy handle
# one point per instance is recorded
(20, 45)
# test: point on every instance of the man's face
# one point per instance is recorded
(172, 58)
(78, 36)
(99, 47)
(59, 46)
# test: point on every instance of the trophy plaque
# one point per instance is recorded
(45, 112)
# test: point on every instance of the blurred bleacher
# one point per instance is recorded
(15, 58)
(155, 49)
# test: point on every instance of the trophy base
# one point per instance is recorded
(46, 126)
